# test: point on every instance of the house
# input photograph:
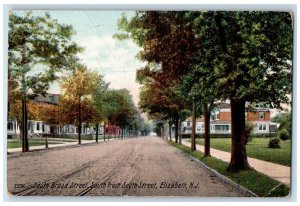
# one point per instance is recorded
(37, 128)
(261, 119)
(220, 121)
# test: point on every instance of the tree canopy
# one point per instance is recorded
(239, 56)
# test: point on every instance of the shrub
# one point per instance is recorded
(249, 132)
(274, 143)
(283, 134)
(211, 136)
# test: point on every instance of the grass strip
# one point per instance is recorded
(258, 183)
(257, 148)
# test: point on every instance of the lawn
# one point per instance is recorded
(258, 183)
(36, 142)
(257, 148)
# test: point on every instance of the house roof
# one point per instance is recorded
(259, 109)
(48, 98)
(223, 106)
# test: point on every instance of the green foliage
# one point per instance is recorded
(121, 108)
(285, 121)
(283, 134)
(157, 128)
(39, 41)
(274, 143)
(256, 56)
(239, 56)
(146, 127)
(215, 55)
(39, 47)
(75, 102)
(249, 132)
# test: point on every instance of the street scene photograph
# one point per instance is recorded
(149, 103)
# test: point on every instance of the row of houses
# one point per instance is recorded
(39, 128)
(220, 121)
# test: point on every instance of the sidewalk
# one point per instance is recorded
(279, 172)
(62, 144)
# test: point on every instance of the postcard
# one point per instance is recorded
(149, 103)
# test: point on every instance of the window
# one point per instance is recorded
(198, 128)
(43, 127)
(262, 127)
(261, 115)
(37, 126)
(10, 126)
(188, 123)
(222, 127)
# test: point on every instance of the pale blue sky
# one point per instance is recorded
(94, 30)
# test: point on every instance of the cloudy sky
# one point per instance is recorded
(112, 58)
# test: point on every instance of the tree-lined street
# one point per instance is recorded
(184, 66)
(148, 160)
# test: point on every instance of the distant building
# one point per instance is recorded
(220, 121)
(38, 128)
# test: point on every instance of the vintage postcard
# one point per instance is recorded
(149, 103)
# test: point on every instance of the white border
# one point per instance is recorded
(135, 4)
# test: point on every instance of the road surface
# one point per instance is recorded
(145, 166)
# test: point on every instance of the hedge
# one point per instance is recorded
(228, 135)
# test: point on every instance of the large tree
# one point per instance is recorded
(159, 101)
(122, 109)
(76, 97)
(243, 56)
(102, 102)
(39, 47)
(167, 40)
(255, 66)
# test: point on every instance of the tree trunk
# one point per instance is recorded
(193, 141)
(176, 129)
(97, 127)
(52, 130)
(206, 115)
(238, 159)
(179, 129)
(79, 122)
(25, 146)
(104, 130)
(170, 130)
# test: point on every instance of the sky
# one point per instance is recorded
(114, 59)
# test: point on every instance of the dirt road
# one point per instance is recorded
(145, 166)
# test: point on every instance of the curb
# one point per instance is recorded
(225, 179)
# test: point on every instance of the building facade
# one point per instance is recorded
(220, 121)
(38, 128)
